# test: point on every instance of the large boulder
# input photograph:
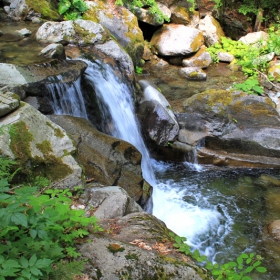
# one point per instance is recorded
(211, 29)
(125, 31)
(137, 246)
(157, 119)
(176, 39)
(106, 159)
(234, 127)
(81, 32)
(39, 146)
(254, 37)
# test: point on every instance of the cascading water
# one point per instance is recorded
(67, 99)
(215, 209)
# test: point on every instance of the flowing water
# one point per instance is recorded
(221, 211)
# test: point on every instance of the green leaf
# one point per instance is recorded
(19, 219)
(24, 262)
(261, 269)
(32, 260)
(246, 278)
(33, 233)
(63, 7)
(43, 263)
(35, 271)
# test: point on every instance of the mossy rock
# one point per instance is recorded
(47, 8)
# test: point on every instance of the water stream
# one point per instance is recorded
(221, 211)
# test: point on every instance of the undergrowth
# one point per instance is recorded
(38, 229)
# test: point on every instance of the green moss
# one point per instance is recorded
(197, 42)
(20, 141)
(114, 248)
(47, 8)
(132, 257)
(45, 147)
(57, 132)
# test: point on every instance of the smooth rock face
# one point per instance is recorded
(212, 30)
(157, 119)
(81, 32)
(233, 122)
(44, 149)
(254, 37)
(175, 39)
(106, 159)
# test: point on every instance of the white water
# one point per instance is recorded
(67, 99)
(202, 224)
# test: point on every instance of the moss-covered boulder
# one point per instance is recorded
(121, 23)
(47, 8)
(233, 128)
(39, 146)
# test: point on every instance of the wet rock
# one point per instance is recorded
(55, 51)
(40, 147)
(157, 119)
(211, 29)
(106, 159)
(8, 103)
(1, 33)
(274, 229)
(193, 73)
(81, 32)
(234, 127)
(201, 59)
(176, 39)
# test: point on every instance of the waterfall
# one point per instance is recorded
(202, 223)
(116, 102)
(67, 99)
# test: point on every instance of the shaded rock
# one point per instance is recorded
(40, 147)
(126, 31)
(112, 202)
(225, 57)
(211, 29)
(180, 15)
(201, 59)
(106, 159)
(233, 126)
(193, 73)
(8, 103)
(175, 39)
(157, 119)
(55, 51)
(254, 37)
(81, 32)
(145, 15)
(147, 54)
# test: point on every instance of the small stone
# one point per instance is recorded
(23, 32)
(193, 73)
(225, 57)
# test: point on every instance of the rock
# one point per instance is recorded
(146, 16)
(55, 51)
(274, 229)
(201, 59)
(157, 119)
(263, 58)
(11, 75)
(130, 249)
(211, 29)
(274, 70)
(111, 202)
(126, 31)
(254, 37)
(147, 54)
(175, 39)
(40, 147)
(225, 57)
(1, 32)
(121, 58)
(193, 73)
(105, 159)
(23, 32)
(8, 103)
(233, 127)
(81, 32)
(180, 15)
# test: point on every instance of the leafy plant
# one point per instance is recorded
(233, 270)
(251, 86)
(38, 229)
(138, 70)
(72, 9)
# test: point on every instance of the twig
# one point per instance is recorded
(267, 78)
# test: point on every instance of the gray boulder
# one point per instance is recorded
(157, 119)
(8, 103)
(106, 159)
(39, 147)
(55, 51)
